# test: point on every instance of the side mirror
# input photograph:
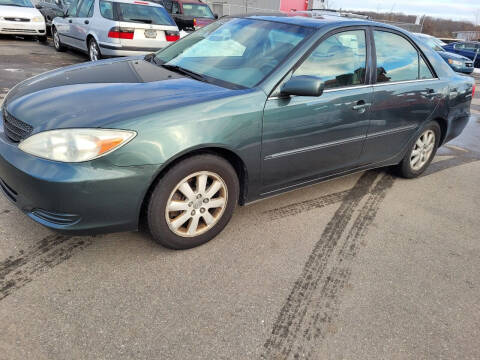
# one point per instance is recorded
(38, 6)
(303, 85)
(65, 14)
(215, 16)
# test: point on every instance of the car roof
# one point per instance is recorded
(320, 21)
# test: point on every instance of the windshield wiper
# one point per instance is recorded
(184, 71)
(145, 21)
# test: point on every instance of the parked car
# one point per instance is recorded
(457, 62)
(19, 17)
(470, 50)
(182, 136)
(114, 28)
(190, 14)
(449, 40)
(51, 9)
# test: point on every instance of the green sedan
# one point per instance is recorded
(243, 109)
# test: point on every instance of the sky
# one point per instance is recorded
(468, 10)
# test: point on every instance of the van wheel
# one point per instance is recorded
(57, 44)
(422, 151)
(93, 50)
(193, 202)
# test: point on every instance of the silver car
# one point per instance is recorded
(114, 28)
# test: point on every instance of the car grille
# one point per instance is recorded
(17, 19)
(20, 30)
(15, 129)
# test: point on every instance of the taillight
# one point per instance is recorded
(121, 33)
(194, 22)
(172, 35)
(473, 89)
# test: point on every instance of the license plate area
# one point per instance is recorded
(150, 34)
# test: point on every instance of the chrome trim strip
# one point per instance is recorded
(404, 82)
(313, 147)
(392, 131)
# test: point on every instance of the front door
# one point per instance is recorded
(305, 138)
(406, 93)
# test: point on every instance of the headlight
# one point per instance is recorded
(37, 19)
(455, 62)
(75, 145)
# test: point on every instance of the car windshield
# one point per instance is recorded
(238, 51)
(20, 3)
(432, 42)
(154, 15)
(197, 10)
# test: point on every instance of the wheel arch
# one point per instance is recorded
(443, 128)
(227, 154)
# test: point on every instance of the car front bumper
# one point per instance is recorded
(82, 198)
(22, 28)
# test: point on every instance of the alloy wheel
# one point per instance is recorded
(422, 150)
(196, 204)
(93, 51)
(56, 39)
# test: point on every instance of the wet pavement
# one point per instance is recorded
(367, 266)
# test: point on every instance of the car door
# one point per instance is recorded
(64, 26)
(81, 23)
(405, 95)
(305, 138)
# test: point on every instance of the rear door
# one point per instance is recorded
(406, 93)
(81, 24)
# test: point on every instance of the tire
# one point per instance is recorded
(42, 39)
(57, 44)
(422, 151)
(93, 50)
(203, 214)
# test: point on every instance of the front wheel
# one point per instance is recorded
(422, 151)
(193, 202)
(57, 44)
(42, 39)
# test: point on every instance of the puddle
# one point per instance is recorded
(13, 70)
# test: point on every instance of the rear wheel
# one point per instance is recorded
(57, 44)
(93, 50)
(193, 202)
(422, 151)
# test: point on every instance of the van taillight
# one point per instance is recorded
(172, 35)
(194, 22)
(121, 33)
(473, 90)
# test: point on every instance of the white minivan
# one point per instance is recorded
(114, 28)
(20, 17)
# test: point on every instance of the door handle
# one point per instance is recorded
(70, 21)
(431, 92)
(361, 106)
(86, 22)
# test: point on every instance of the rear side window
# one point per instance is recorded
(85, 7)
(106, 9)
(397, 59)
(339, 60)
(145, 14)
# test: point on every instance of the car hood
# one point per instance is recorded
(453, 56)
(19, 12)
(104, 94)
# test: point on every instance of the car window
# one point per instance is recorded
(424, 70)
(106, 9)
(339, 61)
(175, 8)
(84, 8)
(72, 9)
(459, 46)
(168, 5)
(397, 59)
(197, 10)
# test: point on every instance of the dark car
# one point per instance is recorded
(51, 9)
(470, 50)
(189, 14)
(457, 62)
(238, 111)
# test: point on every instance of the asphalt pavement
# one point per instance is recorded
(367, 266)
